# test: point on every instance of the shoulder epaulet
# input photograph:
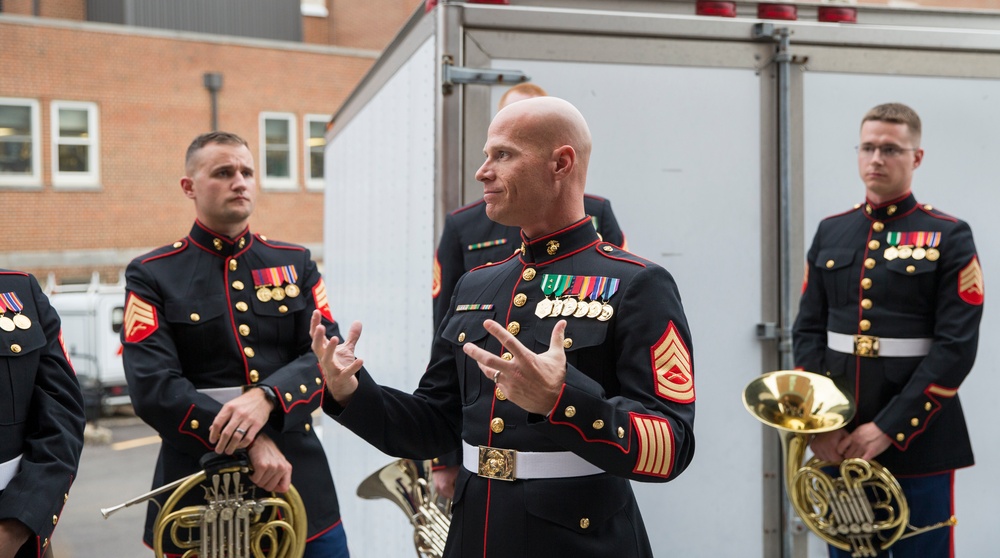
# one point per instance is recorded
(12, 272)
(493, 264)
(165, 251)
(856, 207)
(278, 243)
(613, 252)
(937, 213)
(595, 198)
(467, 207)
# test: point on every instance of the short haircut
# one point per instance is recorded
(896, 113)
(225, 138)
(527, 89)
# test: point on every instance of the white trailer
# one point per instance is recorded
(721, 141)
(91, 316)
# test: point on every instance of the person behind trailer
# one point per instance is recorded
(561, 372)
(890, 311)
(41, 434)
(216, 344)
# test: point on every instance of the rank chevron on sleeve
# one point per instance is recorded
(140, 319)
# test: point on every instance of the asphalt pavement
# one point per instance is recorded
(117, 465)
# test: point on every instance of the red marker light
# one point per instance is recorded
(777, 11)
(828, 14)
(720, 9)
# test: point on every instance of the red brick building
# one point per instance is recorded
(95, 119)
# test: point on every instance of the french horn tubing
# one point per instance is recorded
(407, 483)
(863, 510)
(232, 523)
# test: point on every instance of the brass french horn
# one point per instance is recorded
(863, 510)
(407, 483)
(233, 522)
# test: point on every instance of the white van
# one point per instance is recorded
(92, 316)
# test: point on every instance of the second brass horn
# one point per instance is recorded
(863, 510)
(408, 484)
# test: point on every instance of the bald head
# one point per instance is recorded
(547, 123)
(537, 151)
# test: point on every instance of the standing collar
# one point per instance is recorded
(557, 245)
(219, 244)
(891, 209)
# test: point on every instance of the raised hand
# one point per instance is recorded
(530, 380)
(336, 359)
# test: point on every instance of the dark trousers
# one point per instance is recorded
(931, 500)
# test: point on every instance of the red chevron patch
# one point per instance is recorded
(140, 319)
(672, 370)
(971, 287)
(322, 304)
(436, 284)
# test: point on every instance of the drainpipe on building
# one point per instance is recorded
(213, 82)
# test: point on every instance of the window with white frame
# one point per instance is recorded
(277, 148)
(315, 139)
(20, 143)
(75, 147)
(314, 8)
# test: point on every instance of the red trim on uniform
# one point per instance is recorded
(927, 420)
(21, 273)
(324, 531)
(585, 220)
(467, 207)
(552, 420)
(180, 428)
(951, 513)
(278, 246)
(595, 197)
(62, 345)
(937, 214)
(491, 264)
(888, 203)
(181, 248)
(293, 405)
(566, 255)
(618, 258)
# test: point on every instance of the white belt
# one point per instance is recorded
(871, 346)
(223, 395)
(8, 469)
(507, 464)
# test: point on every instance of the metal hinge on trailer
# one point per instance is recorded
(452, 75)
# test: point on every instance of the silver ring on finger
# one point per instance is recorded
(496, 377)
(241, 432)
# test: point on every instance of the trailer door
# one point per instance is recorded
(677, 128)
(956, 94)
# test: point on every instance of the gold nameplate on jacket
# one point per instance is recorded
(866, 346)
(497, 463)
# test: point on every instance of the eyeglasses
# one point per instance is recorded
(888, 151)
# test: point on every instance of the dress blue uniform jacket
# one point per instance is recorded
(41, 414)
(470, 239)
(627, 405)
(193, 320)
(855, 287)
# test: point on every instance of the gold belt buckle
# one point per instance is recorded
(497, 463)
(866, 346)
